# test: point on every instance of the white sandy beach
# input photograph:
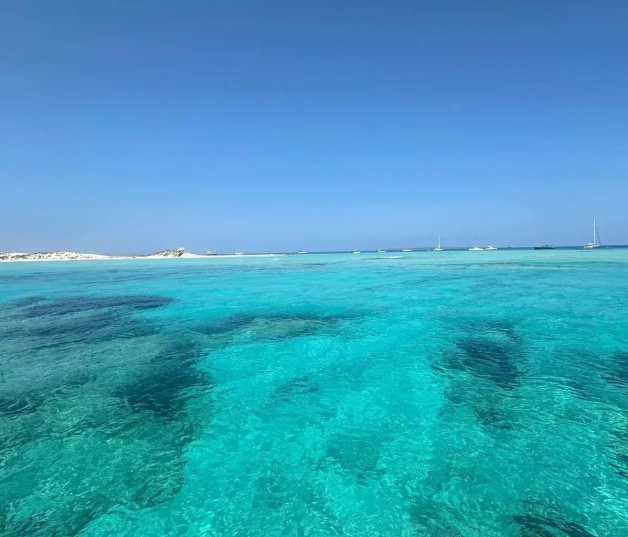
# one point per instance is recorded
(14, 257)
(50, 256)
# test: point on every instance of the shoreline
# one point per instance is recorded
(17, 257)
(10, 257)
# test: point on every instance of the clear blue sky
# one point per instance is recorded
(279, 125)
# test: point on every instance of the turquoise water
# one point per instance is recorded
(453, 394)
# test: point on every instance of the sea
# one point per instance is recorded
(437, 394)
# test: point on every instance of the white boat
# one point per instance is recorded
(239, 253)
(490, 247)
(209, 252)
(381, 251)
(406, 250)
(439, 248)
(476, 249)
(302, 252)
(356, 252)
(596, 239)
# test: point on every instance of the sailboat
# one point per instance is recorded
(439, 247)
(596, 239)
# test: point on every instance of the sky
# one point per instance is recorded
(130, 127)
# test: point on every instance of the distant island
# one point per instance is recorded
(76, 256)
(49, 256)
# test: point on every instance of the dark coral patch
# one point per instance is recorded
(487, 349)
(493, 360)
(105, 325)
(619, 453)
(617, 373)
(66, 306)
(540, 526)
(26, 301)
(22, 403)
(358, 455)
(492, 416)
(170, 381)
(275, 326)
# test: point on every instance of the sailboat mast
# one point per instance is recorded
(439, 242)
(594, 233)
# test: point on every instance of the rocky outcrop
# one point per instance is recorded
(180, 252)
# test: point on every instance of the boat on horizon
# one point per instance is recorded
(301, 252)
(209, 252)
(544, 247)
(596, 239)
(490, 247)
(239, 253)
(476, 249)
(356, 252)
(381, 251)
(406, 250)
(439, 248)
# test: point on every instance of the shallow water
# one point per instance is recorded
(452, 394)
